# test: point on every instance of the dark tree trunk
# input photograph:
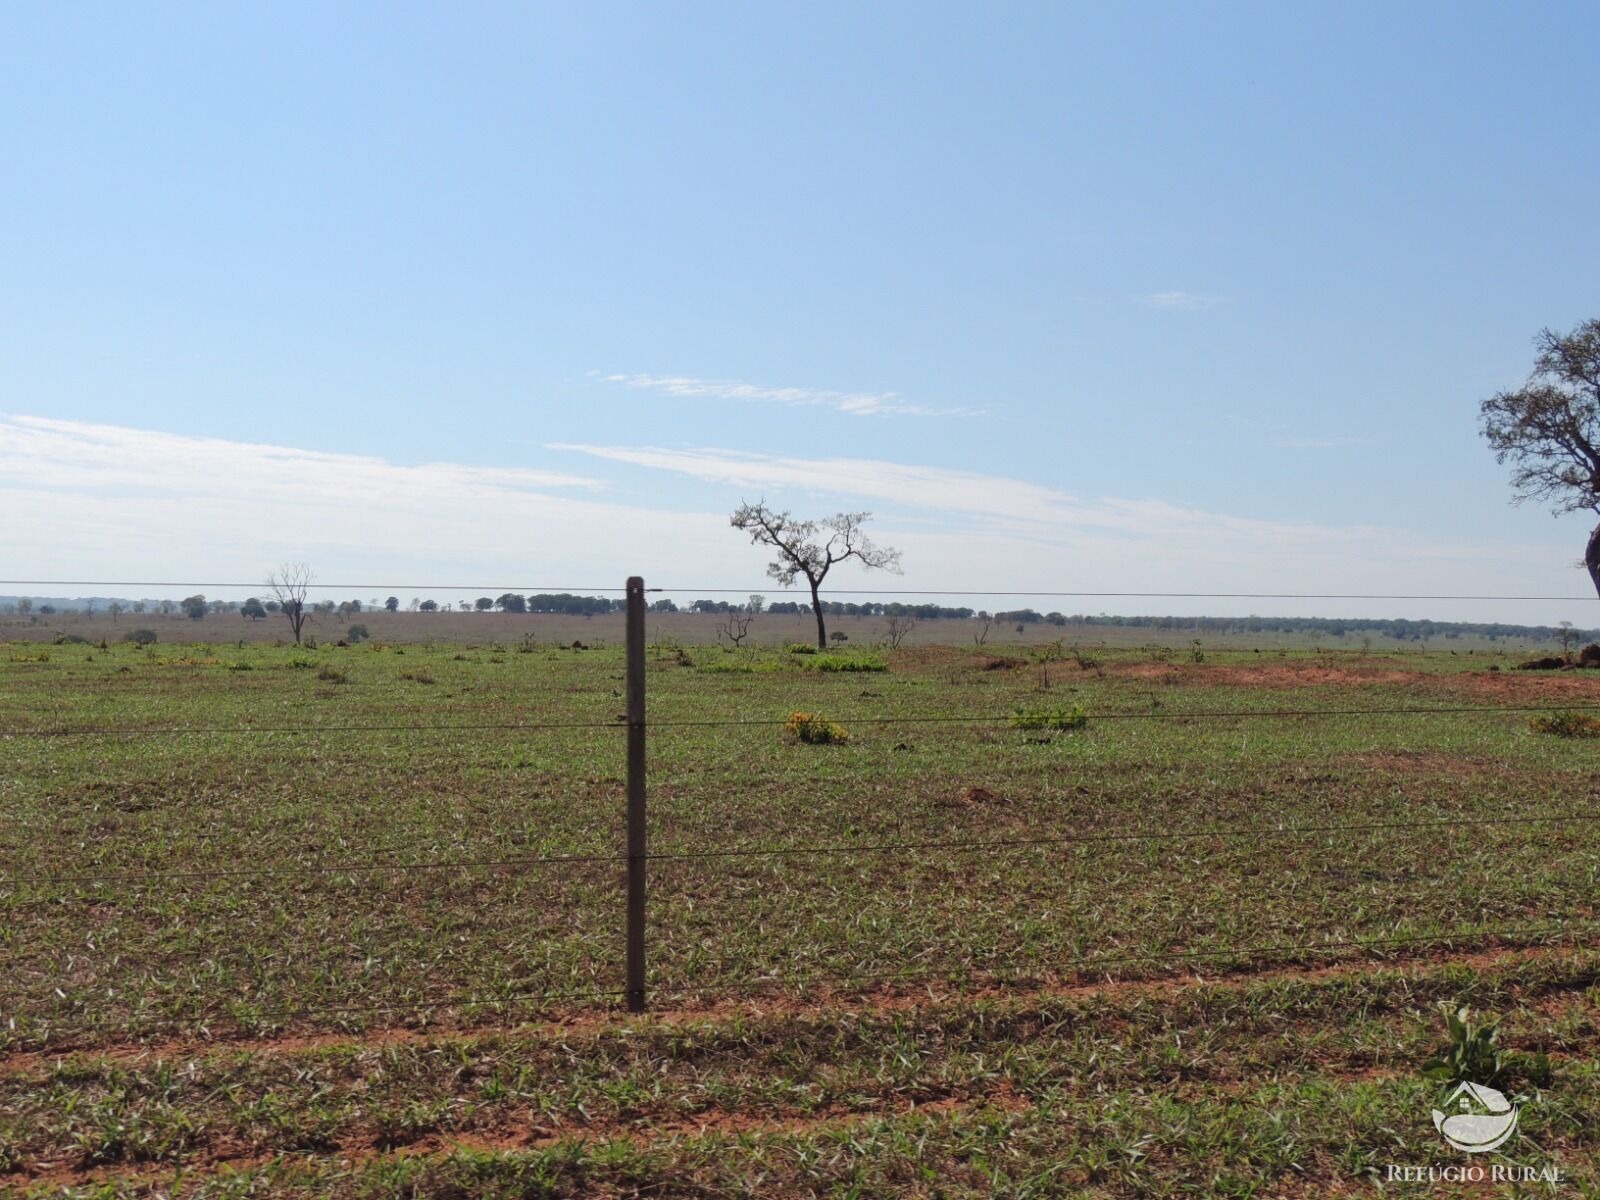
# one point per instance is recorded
(1591, 559)
(822, 630)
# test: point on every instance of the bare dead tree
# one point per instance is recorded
(810, 549)
(982, 635)
(899, 626)
(289, 585)
(1549, 430)
(737, 626)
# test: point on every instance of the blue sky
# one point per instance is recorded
(1109, 296)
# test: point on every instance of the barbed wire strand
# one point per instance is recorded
(1089, 838)
(362, 868)
(994, 719)
(1022, 975)
(102, 1016)
(759, 589)
(1061, 966)
(322, 870)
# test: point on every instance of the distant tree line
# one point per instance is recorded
(548, 602)
(1399, 628)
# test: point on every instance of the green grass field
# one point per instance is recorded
(288, 938)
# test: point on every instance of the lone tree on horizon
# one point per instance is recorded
(289, 584)
(804, 551)
(1549, 430)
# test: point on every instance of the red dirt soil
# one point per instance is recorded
(1495, 685)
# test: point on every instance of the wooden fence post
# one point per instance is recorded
(637, 845)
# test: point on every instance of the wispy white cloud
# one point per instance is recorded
(912, 488)
(1177, 301)
(39, 451)
(856, 404)
(997, 528)
(89, 500)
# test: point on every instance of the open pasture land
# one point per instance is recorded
(348, 921)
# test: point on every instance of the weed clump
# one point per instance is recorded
(733, 662)
(1566, 724)
(333, 675)
(1050, 716)
(850, 662)
(814, 730)
(1473, 1055)
(800, 648)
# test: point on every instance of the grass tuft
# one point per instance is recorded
(850, 662)
(1567, 724)
(1050, 716)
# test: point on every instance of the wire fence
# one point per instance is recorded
(767, 589)
(636, 856)
(1001, 975)
(991, 720)
(1250, 833)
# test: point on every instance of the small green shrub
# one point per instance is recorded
(814, 730)
(1050, 716)
(1472, 1055)
(850, 662)
(333, 675)
(1567, 724)
(240, 666)
(357, 633)
(800, 648)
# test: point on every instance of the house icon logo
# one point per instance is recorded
(1475, 1118)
